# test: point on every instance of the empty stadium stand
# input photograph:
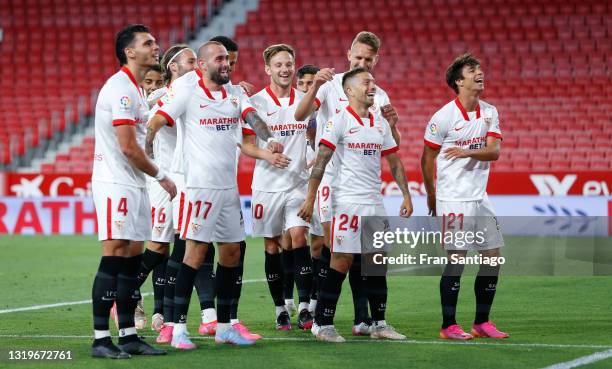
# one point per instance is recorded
(546, 66)
(57, 54)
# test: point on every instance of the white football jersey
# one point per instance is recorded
(358, 144)
(120, 102)
(278, 113)
(462, 179)
(331, 100)
(212, 122)
(165, 143)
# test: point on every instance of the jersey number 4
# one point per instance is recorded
(122, 208)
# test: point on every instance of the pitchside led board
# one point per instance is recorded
(76, 215)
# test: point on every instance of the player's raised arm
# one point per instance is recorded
(399, 174)
(153, 126)
(325, 154)
(126, 135)
(488, 153)
(428, 160)
(260, 128)
(308, 105)
(249, 147)
(390, 114)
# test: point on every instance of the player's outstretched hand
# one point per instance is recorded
(389, 113)
(306, 210)
(455, 153)
(279, 160)
(431, 204)
(274, 146)
(406, 208)
(169, 186)
(247, 87)
(324, 75)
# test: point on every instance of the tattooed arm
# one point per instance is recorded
(261, 130)
(397, 170)
(318, 170)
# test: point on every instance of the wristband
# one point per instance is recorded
(160, 175)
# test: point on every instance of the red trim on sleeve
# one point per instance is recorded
(109, 226)
(389, 151)
(318, 102)
(248, 131)
(494, 134)
(247, 111)
(124, 122)
(433, 145)
(328, 144)
(165, 115)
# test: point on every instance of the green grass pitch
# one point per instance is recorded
(550, 319)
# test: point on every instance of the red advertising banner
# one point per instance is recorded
(502, 183)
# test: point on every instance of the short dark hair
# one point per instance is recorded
(454, 71)
(155, 68)
(229, 44)
(352, 73)
(125, 38)
(307, 69)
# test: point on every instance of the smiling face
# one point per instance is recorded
(183, 63)
(152, 81)
(281, 69)
(305, 82)
(144, 50)
(214, 61)
(472, 79)
(361, 88)
(362, 56)
(233, 59)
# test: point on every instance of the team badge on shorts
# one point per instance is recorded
(324, 210)
(339, 239)
(119, 224)
(195, 227)
(158, 230)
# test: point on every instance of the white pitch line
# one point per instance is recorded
(584, 360)
(412, 342)
(82, 302)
